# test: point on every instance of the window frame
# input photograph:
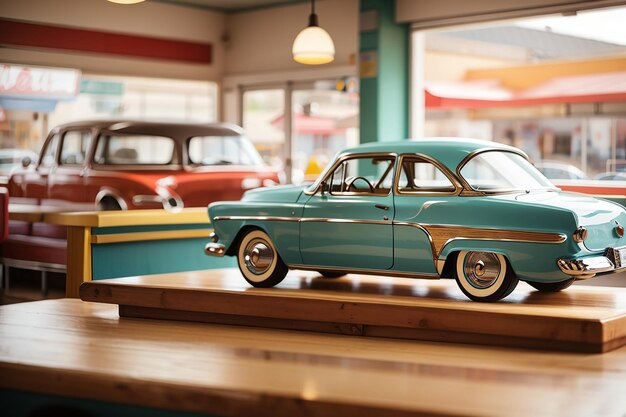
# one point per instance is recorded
(102, 135)
(323, 179)
(55, 158)
(441, 167)
(469, 190)
(62, 143)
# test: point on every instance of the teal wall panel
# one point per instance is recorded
(384, 104)
(114, 260)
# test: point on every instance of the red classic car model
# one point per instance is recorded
(112, 165)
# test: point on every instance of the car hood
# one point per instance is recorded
(277, 194)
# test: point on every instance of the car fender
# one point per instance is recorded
(279, 221)
(113, 193)
(529, 261)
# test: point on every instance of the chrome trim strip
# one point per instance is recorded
(330, 168)
(144, 199)
(325, 220)
(301, 219)
(385, 272)
(264, 218)
(444, 169)
(443, 235)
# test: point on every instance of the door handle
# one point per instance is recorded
(382, 207)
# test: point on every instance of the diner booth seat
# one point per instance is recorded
(30, 245)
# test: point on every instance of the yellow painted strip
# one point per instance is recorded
(78, 259)
(144, 236)
(129, 218)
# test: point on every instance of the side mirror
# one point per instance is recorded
(26, 161)
(324, 187)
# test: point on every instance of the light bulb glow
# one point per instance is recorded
(313, 46)
(126, 1)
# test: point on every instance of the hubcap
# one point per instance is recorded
(482, 269)
(258, 256)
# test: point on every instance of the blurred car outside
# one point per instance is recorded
(554, 170)
(123, 165)
(611, 176)
(10, 159)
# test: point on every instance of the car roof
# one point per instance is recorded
(176, 130)
(449, 151)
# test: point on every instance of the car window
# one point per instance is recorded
(48, 157)
(135, 150)
(74, 147)
(366, 175)
(418, 174)
(222, 150)
(502, 171)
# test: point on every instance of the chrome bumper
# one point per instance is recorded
(585, 267)
(215, 249)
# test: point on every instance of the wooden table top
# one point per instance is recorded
(80, 349)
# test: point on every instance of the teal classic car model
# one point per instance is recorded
(471, 210)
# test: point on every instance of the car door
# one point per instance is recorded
(36, 180)
(347, 223)
(67, 184)
(424, 187)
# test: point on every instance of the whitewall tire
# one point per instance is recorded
(259, 261)
(484, 276)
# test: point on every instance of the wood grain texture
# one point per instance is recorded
(579, 319)
(85, 350)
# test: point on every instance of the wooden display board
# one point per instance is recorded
(581, 319)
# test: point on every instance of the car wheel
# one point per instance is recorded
(259, 261)
(109, 204)
(552, 286)
(484, 276)
(331, 274)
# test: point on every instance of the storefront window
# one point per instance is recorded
(540, 84)
(28, 111)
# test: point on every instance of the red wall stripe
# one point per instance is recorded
(34, 35)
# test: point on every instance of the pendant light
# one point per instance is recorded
(126, 1)
(313, 45)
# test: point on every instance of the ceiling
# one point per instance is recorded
(231, 6)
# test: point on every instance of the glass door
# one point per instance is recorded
(325, 120)
(264, 122)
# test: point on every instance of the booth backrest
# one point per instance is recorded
(4, 214)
